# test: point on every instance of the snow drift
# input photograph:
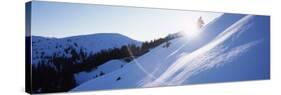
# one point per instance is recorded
(233, 47)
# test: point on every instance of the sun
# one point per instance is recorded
(191, 32)
(193, 29)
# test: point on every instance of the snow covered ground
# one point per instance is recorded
(231, 48)
(103, 69)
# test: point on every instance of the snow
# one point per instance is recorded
(106, 68)
(203, 58)
(228, 44)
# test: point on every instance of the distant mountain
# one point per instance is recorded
(44, 47)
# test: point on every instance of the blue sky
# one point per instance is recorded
(52, 19)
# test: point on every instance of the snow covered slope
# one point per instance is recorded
(42, 46)
(104, 69)
(231, 48)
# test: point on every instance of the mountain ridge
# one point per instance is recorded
(45, 46)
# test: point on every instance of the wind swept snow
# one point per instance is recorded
(202, 58)
(183, 59)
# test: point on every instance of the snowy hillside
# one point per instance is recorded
(42, 47)
(226, 50)
(104, 69)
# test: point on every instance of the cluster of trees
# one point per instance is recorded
(57, 73)
(46, 78)
(126, 52)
